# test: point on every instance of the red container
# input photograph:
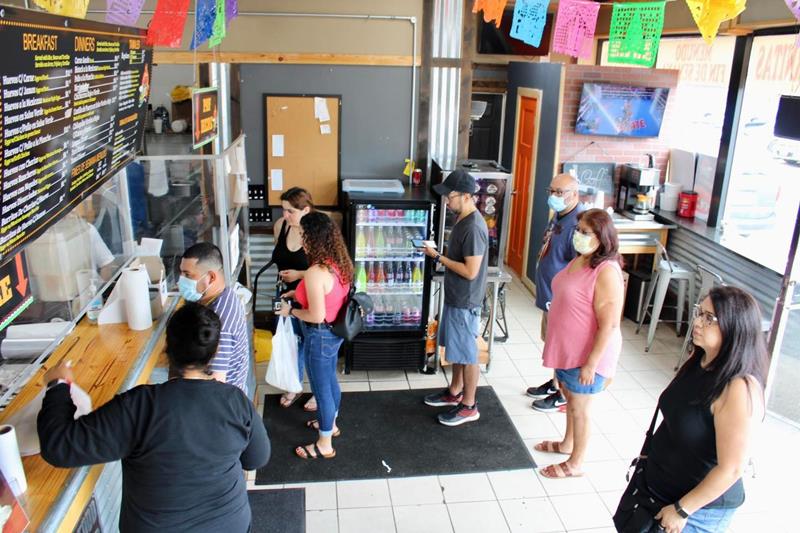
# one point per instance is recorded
(687, 204)
(416, 177)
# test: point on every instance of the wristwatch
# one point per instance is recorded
(437, 258)
(53, 383)
(680, 510)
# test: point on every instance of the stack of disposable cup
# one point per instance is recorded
(669, 196)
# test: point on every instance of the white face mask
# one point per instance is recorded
(584, 244)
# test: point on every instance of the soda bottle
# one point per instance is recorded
(379, 312)
(371, 278)
(380, 278)
(361, 216)
(381, 215)
(416, 277)
(361, 243)
(369, 249)
(408, 215)
(416, 315)
(397, 317)
(406, 313)
(407, 275)
(390, 281)
(370, 320)
(361, 278)
(372, 216)
(380, 243)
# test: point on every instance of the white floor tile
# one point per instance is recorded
(534, 425)
(636, 362)
(354, 386)
(389, 385)
(319, 496)
(533, 367)
(415, 490)
(523, 351)
(616, 422)
(354, 375)
(363, 493)
(322, 522)
(414, 384)
(652, 379)
(366, 520)
(386, 375)
(582, 511)
(516, 484)
(502, 369)
(531, 516)
(423, 519)
(466, 488)
(611, 499)
(507, 386)
(477, 517)
(561, 487)
(627, 445)
(607, 475)
(634, 398)
(517, 404)
(623, 380)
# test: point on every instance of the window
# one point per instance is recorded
(764, 186)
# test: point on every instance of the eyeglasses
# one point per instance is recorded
(558, 192)
(708, 319)
(587, 232)
(454, 194)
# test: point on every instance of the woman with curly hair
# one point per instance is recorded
(321, 294)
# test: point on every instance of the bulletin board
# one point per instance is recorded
(302, 149)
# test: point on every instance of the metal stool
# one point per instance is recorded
(667, 271)
(708, 280)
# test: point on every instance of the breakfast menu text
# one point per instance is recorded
(73, 97)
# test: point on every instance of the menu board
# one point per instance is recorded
(73, 98)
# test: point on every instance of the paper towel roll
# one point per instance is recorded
(136, 293)
(42, 330)
(10, 461)
(23, 348)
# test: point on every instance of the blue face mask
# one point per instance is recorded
(556, 203)
(188, 289)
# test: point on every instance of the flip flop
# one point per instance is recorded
(283, 400)
(314, 424)
(559, 471)
(303, 452)
(549, 446)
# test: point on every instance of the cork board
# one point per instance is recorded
(310, 158)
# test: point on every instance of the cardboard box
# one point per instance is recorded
(483, 352)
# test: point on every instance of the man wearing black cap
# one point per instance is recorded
(465, 265)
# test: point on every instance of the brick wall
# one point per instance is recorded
(615, 149)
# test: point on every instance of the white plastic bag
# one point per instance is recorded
(24, 420)
(282, 371)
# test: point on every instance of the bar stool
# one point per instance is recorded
(708, 280)
(667, 271)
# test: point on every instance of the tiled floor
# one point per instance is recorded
(523, 501)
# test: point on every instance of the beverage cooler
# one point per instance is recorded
(379, 229)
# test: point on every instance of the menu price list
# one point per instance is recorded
(73, 96)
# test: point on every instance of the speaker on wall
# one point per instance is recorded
(787, 121)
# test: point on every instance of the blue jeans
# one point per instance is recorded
(321, 352)
(710, 521)
(301, 361)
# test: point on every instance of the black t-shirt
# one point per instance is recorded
(469, 237)
(183, 446)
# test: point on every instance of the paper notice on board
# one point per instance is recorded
(276, 179)
(277, 146)
(325, 129)
(321, 109)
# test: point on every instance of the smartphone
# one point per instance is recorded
(276, 304)
(419, 243)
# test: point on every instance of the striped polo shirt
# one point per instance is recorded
(233, 351)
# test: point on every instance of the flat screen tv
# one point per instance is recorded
(621, 110)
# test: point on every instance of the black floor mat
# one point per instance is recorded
(395, 428)
(278, 510)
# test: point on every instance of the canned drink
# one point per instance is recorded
(416, 177)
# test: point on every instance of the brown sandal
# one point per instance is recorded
(285, 402)
(549, 446)
(559, 471)
(314, 424)
(310, 409)
(304, 452)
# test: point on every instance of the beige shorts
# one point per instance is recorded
(543, 332)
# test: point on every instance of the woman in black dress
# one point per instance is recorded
(292, 263)
(695, 459)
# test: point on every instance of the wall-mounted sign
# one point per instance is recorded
(205, 113)
(15, 290)
(74, 95)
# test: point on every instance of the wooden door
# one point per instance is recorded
(523, 171)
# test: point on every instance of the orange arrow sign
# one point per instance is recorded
(22, 281)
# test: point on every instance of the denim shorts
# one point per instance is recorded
(458, 331)
(570, 379)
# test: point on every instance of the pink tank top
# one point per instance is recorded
(334, 300)
(572, 325)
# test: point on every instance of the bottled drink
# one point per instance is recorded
(361, 242)
(370, 319)
(397, 316)
(381, 215)
(390, 276)
(416, 277)
(96, 305)
(380, 278)
(361, 216)
(361, 277)
(407, 313)
(378, 311)
(416, 314)
(380, 243)
(372, 215)
(371, 286)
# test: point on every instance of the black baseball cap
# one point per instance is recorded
(458, 181)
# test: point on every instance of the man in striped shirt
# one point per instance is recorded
(202, 280)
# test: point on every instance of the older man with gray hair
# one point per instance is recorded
(556, 252)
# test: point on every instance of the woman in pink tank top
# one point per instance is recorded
(321, 294)
(583, 339)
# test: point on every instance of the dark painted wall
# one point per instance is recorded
(375, 119)
(547, 78)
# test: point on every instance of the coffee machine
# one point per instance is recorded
(637, 191)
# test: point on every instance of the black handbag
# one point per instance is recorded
(350, 320)
(638, 506)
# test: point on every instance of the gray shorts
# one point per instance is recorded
(458, 333)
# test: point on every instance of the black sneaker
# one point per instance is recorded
(459, 415)
(542, 391)
(550, 404)
(443, 398)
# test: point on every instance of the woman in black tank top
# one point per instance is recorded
(292, 263)
(696, 457)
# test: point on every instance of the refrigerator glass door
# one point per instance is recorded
(388, 267)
